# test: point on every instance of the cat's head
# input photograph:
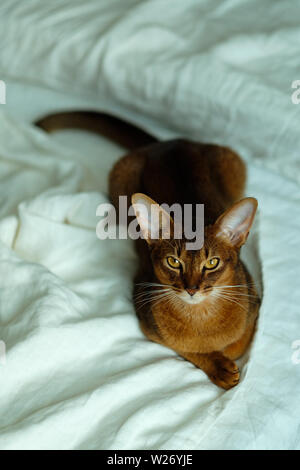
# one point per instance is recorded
(194, 275)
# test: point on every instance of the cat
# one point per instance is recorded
(200, 303)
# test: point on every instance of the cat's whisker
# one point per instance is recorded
(235, 290)
(235, 285)
(151, 296)
(234, 294)
(141, 303)
(239, 294)
(155, 284)
(151, 292)
(166, 298)
(156, 302)
(151, 284)
(220, 295)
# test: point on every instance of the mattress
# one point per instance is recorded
(77, 373)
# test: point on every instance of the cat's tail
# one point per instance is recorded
(121, 132)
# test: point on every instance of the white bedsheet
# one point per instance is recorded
(79, 374)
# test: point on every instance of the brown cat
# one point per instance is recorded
(203, 303)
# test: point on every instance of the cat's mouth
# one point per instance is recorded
(195, 299)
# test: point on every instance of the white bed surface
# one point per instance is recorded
(79, 373)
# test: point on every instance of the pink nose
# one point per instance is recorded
(192, 291)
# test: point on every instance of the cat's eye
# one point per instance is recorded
(212, 263)
(173, 262)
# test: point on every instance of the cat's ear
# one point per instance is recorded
(234, 225)
(154, 221)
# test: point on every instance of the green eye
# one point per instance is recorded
(173, 262)
(212, 263)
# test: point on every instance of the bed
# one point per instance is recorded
(77, 373)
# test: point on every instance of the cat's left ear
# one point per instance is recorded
(154, 221)
(234, 225)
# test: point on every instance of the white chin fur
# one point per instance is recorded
(196, 299)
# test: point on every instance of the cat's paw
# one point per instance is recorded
(225, 373)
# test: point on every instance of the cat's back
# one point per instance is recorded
(184, 172)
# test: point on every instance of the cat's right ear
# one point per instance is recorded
(234, 225)
(154, 221)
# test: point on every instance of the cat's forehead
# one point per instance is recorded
(201, 254)
(178, 247)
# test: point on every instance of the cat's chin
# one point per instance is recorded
(195, 300)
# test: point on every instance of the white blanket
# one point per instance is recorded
(78, 372)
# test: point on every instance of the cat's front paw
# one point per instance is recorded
(225, 373)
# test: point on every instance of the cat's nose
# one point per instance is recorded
(192, 290)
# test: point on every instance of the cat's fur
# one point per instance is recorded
(206, 316)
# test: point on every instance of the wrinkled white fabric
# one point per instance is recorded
(79, 374)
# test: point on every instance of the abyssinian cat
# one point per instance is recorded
(200, 303)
